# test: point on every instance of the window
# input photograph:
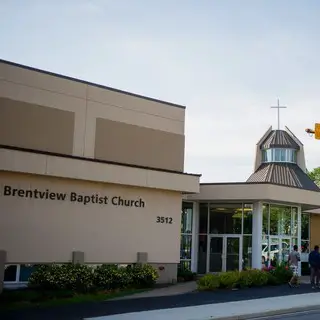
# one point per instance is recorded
(225, 218)
(247, 218)
(279, 155)
(305, 232)
(203, 217)
(186, 235)
(247, 252)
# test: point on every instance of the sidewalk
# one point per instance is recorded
(228, 310)
(168, 301)
(179, 288)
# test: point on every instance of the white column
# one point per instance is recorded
(195, 238)
(299, 237)
(257, 235)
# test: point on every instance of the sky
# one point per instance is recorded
(227, 61)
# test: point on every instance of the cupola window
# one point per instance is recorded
(279, 155)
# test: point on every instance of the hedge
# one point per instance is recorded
(186, 275)
(246, 278)
(83, 278)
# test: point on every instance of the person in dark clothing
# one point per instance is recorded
(314, 262)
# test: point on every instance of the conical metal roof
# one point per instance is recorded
(279, 139)
(285, 174)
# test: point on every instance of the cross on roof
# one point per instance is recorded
(279, 107)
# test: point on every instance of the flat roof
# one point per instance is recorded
(90, 83)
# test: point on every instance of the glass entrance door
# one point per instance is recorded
(215, 254)
(232, 253)
(224, 253)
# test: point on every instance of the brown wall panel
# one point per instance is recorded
(125, 143)
(36, 127)
(314, 230)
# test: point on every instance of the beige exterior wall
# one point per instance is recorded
(54, 166)
(45, 230)
(96, 111)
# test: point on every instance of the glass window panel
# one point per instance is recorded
(247, 219)
(10, 273)
(185, 247)
(216, 252)
(294, 156)
(294, 223)
(265, 219)
(285, 222)
(305, 246)
(305, 222)
(294, 241)
(203, 217)
(274, 220)
(269, 155)
(277, 155)
(186, 217)
(283, 155)
(285, 249)
(202, 254)
(25, 272)
(264, 156)
(274, 252)
(247, 252)
(225, 218)
(184, 265)
(265, 251)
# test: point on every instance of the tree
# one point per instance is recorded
(314, 175)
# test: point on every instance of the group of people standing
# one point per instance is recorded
(314, 263)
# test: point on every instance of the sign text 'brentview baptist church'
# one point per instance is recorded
(95, 198)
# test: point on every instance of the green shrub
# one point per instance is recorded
(229, 279)
(259, 278)
(74, 277)
(209, 282)
(282, 273)
(186, 275)
(272, 280)
(142, 276)
(111, 277)
(245, 279)
(82, 278)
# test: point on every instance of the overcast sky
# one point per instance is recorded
(227, 60)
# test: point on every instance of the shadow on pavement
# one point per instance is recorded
(92, 309)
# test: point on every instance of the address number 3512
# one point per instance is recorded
(167, 220)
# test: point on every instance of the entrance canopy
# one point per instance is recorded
(246, 191)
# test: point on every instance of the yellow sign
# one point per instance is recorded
(317, 131)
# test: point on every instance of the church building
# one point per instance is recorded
(231, 226)
(92, 174)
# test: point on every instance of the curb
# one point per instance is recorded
(268, 313)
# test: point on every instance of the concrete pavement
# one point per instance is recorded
(303, 315)
(227, 311)
(113, 308)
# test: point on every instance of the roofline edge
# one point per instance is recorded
(58, 75)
